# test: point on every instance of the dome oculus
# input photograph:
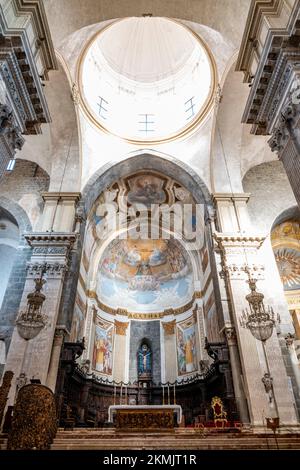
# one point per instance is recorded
(146, 79)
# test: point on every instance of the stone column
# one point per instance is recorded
(55, 357)
(170, 351)
(239, 247)
(239, 251)
(237, 377)
(120, 351)
(50, 255)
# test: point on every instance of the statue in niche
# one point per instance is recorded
(144, 360)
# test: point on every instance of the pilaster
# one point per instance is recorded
(240, 254)
(50, 257)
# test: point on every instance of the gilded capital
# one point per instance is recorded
(169, 327)
(121, 327)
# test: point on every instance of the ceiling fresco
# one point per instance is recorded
(147, 275)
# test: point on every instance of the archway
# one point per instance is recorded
(285, 239)
(158, 291)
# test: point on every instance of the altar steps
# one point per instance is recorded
(181, 439)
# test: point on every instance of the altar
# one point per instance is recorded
(141, 417)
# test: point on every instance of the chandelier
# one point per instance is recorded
(259, 320)
(31, 321)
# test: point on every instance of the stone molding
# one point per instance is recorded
(50, 253)
(286, 124)
(276, 65)
(52, 270)
(239, 254)
(26, 56)
(218, 197)
(50, 238)
(34, 17)
(64, 196)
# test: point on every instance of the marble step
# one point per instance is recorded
(203, 445)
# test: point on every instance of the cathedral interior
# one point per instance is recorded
(149, 222)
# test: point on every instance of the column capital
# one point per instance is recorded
(169, 327)
(65, 196)
(226, 197)
(121, 327)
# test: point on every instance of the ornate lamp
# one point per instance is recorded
(32, 321)
(260, 321)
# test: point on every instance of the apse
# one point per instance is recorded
(146, 79)
(145, 275)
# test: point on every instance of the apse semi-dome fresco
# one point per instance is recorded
(145, 275)
(286, 245)
(146, 79)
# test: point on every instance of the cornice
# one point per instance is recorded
(72, 196)
(258, 9)
(35, 12)
(238, 240)
(231, 197)
(44, 238)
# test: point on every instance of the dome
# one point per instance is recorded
(146, 79)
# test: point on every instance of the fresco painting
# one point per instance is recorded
(146, 275)
(103, 349)
(186, 348)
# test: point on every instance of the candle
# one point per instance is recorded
(115, 391)
(121, 396)
(163, 387)
(168, 394)
(174, 394)
(125, 394)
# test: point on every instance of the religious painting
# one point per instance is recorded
(186, 346)
(103, 347)
(145, 275)
(146, 189)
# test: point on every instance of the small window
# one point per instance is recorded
(189, 108)
(11, 164)
(102, 107)
(146, 122)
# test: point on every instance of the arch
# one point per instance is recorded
(147, 160)
(266, 204)
(290, 213)
(18, 213)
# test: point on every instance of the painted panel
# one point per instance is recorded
(186, 347)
